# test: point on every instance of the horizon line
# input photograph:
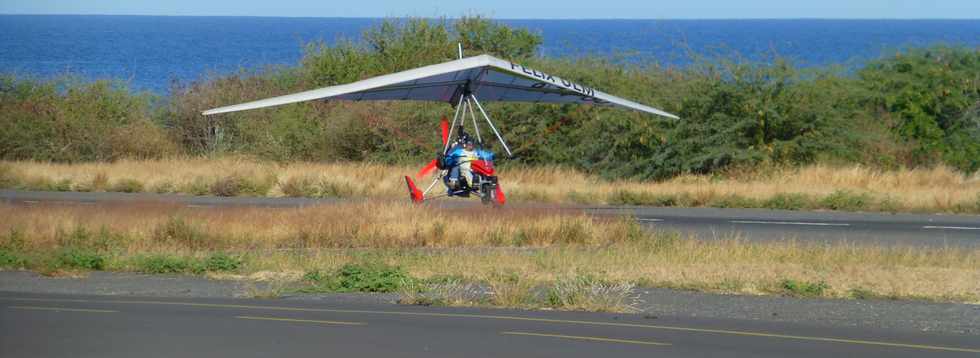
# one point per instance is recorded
(512, 18)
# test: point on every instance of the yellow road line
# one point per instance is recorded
(518, 318)
(301, 320)
(60, 309)
(585, 338)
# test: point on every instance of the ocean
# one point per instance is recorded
(151, 52)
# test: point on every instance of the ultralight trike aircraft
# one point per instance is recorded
(465, 167)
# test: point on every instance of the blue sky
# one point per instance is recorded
(515, 9)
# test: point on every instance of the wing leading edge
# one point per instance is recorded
(486, 77)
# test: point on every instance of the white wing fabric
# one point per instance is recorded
(486, 77)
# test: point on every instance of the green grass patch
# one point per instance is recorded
(222, 262)
(78, 258)
(11, 260)
(796, 288)
(172, 264)
(364, 277)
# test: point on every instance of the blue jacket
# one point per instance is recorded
(456, 156)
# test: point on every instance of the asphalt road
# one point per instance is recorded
(44, 325)
(705, 223)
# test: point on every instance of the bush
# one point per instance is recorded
(299, 187)
(736, 201)
(127, 186)
(371, 278)
(787, 201)
(365, 277)
(79, 259)
(846, 200)
(237, 184)
(9, 259)
(68, 120)
(587, 292)
(930, 102)
(803, 289)
(177, 230)
(219, 262)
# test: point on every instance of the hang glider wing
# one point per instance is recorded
(486, 77)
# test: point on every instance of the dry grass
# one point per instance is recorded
(939, 189)
(584, 262)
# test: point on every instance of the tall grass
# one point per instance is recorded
(849, 188)
(579, 260)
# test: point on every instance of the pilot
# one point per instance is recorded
(459, 159)
(467, 155)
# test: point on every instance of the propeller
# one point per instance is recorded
(428, 168)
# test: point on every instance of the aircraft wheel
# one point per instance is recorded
(487, 194)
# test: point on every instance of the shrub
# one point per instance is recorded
(787, 201)
(79, 258)
(803, 289)
(846, 200)
(299, 187)
(371, 278)
(220, 261)
(127, 186)
(587, 292)
(69, 120)
(237, 184)
(9, 259)
(735, 201)
(364, 277)
(929, 103)
(197, 186)
(177, 230)
(227, 186)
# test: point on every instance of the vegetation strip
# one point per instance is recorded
(586, 338)
(302, 320)
(518, 318)
(842, 188)
(519, 257)
(61, 309)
